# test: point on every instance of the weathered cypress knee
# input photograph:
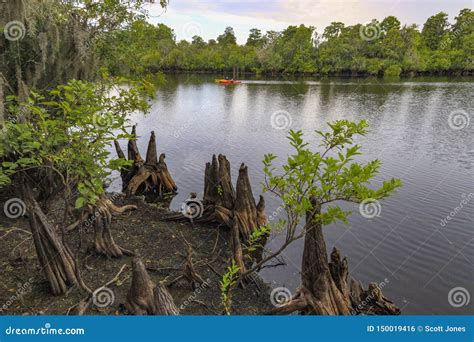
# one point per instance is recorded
(150, 177)
(146, 298)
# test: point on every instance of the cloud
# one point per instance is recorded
(213, 16)
(211, 21)
(321, 13)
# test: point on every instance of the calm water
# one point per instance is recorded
(406, 246)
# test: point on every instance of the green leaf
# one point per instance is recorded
(80, 201)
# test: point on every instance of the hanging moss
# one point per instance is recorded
(57, 41)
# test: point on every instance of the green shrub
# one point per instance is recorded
(392, 71)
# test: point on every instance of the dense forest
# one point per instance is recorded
(63, 105)
(378, 48)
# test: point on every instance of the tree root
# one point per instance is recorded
(372, 301)
(56, 260)
(146, 298)
(189, 271)
(101, 215)
(331, 295)
(235, 209)
(86, 302)
(150, 177)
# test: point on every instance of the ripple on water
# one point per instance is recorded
(409, 132)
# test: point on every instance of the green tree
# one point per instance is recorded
(333, 30)
(463, 27)
(390, 23)
(227, 38)
(61, 40)
(198, 42)
(468, 50)
(255, 37)
(58, 143)
(434, 29)
(311, 184)
(141, 49)
(413, 59)
(295, 45)
(59, 128)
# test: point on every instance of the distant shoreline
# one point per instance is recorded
(466, 73)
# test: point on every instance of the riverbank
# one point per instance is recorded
(161, 246)
(345, 74)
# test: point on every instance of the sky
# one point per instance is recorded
(209, 18)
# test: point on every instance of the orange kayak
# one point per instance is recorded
(223, 81)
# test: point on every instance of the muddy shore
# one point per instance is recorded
(162, 247)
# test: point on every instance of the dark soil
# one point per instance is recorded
(25, 291)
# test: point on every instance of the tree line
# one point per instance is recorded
(61, 112)
(377, 48)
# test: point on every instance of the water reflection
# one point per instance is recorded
(195, 118)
